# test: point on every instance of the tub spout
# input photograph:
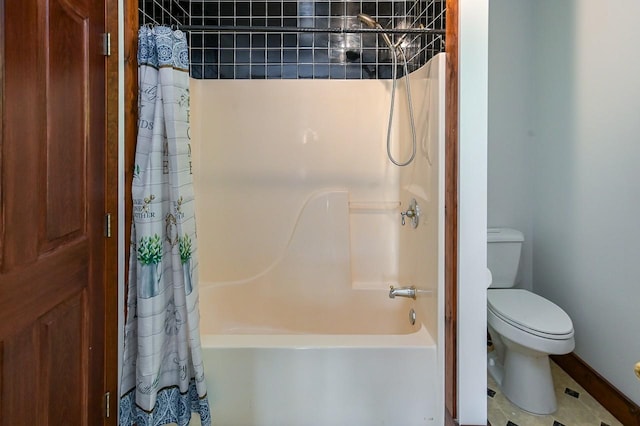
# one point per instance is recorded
(402, 292)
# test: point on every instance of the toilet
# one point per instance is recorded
(525, 329)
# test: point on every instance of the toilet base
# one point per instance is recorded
(496, 370)
(525, 378)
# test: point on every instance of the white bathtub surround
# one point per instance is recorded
(308, 289)
(262, 148)
(299, 217)
(423, 180)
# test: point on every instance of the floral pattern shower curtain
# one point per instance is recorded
(163, 373)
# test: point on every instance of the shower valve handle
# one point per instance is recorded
(413, 213)
(409, 213)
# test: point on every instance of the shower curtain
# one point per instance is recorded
(163, 374)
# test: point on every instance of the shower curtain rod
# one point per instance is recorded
(248, 29)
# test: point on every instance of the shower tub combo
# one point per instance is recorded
(307, 334)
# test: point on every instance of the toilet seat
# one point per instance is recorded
(530, 313)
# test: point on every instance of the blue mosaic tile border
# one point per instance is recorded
(216, 55)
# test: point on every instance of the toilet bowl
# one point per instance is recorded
(526, 328)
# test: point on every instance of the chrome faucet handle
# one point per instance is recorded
(409, 213)
(413, 213)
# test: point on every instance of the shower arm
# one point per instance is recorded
(370, 22)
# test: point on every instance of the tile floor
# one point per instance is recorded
(575, 406)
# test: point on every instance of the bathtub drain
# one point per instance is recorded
(412, 316)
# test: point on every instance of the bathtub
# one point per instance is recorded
(301, 344)
(299, 238)
(367, 373)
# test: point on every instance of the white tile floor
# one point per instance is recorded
(580, 410)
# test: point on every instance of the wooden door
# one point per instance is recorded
(52, 193)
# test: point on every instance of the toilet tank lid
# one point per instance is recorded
(495, 235)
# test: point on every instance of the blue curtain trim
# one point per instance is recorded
(172, 406)
(163, 47)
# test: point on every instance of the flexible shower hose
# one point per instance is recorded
(394, 78)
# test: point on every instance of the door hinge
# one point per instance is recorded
(106, 44)
(107, 404)
(107, 225)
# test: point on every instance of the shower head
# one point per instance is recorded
(368, 20)
(372, 23)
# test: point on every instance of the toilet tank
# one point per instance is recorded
(503, 256)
